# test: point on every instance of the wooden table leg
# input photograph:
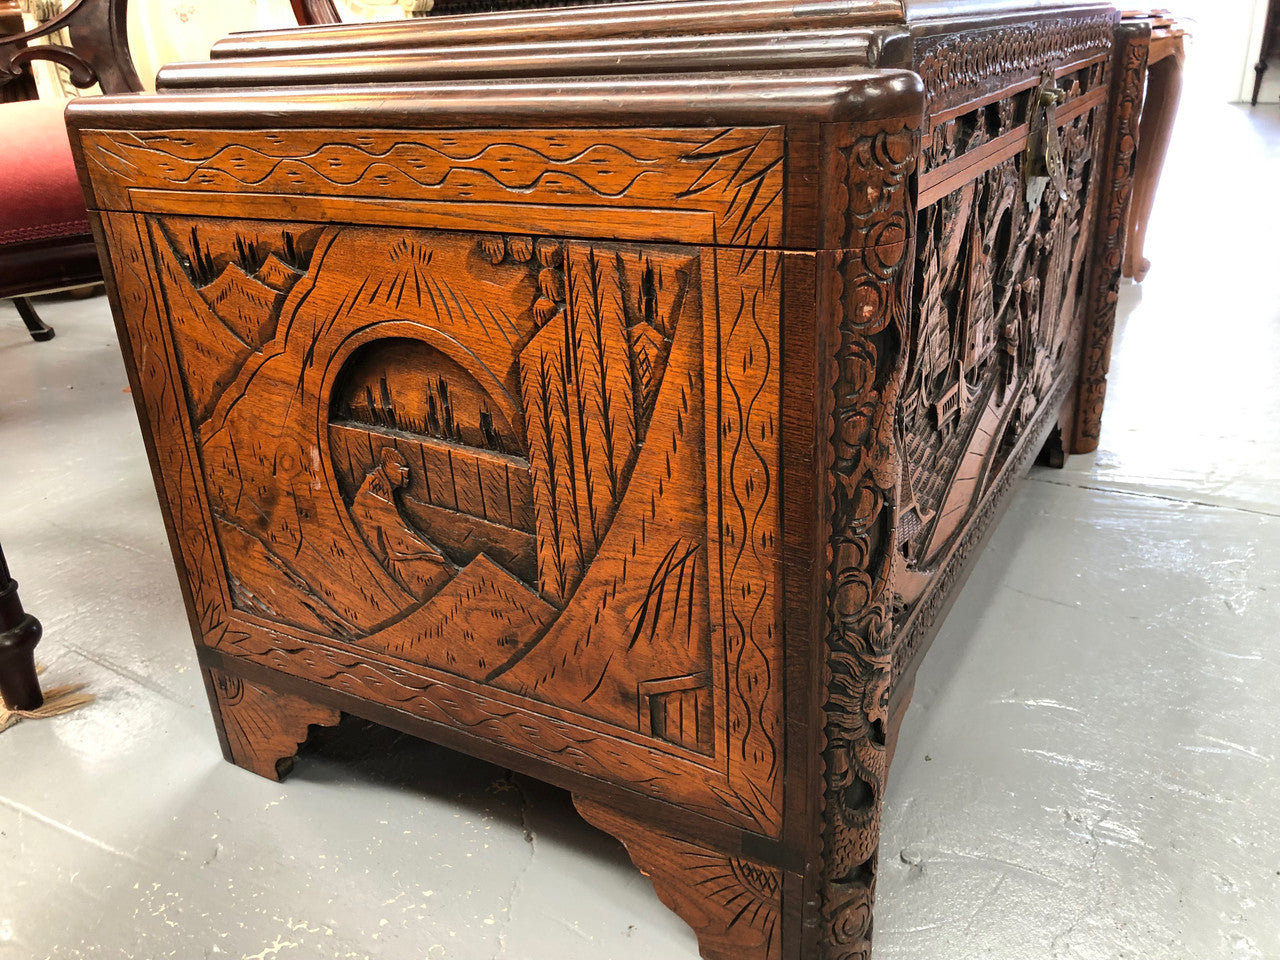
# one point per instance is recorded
(1164, 90)
(19, 634)
(897, 711)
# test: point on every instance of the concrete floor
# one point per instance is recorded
(1088, 770)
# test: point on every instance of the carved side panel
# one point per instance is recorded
(872, 283)
(1133, 46)
(1001, 285)
(936, 398)
(261, 728)
(506, 480)
(733, 903)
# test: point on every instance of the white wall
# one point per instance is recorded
(1254, 47)
(1226, 36)
(162, 31)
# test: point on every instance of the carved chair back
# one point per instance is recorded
(43, 252)
(98, 52)
(45, 243)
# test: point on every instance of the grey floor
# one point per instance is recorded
(1269, 92)
(1088, 770)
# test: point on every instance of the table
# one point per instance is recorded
(1159, 109)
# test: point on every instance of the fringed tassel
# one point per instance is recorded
(57, 701)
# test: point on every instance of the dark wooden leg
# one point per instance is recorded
(39, 330)
(897, 710)
(259, 728)
(1259, 70)
(1054, 452)
(19, 634)
(733, 904)
(1164, 90)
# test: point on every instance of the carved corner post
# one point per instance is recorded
(261, 729)
(870, 289)
(1128, 74)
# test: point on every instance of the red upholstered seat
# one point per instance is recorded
(40, 196)
(45, 241)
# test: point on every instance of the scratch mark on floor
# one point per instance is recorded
(23, 810)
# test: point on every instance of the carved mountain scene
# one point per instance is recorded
(357, 566)
(246, 305)
(277, 274)
(505, 423)
(229, 302)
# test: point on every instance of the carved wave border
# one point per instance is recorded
(734, 173)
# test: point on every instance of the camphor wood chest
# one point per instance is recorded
(624, 410)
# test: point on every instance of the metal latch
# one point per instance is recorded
(1043, 160)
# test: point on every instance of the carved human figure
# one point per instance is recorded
(409, 557)
(1010, 343)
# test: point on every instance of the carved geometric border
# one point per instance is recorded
(959, 67)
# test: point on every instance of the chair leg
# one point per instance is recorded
(40, 331)
(19, 634)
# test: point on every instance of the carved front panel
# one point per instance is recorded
(1000, 277)
(508, 481)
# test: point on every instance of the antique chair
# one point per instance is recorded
(45, 241)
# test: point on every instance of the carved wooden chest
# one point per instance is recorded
(625, 409)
